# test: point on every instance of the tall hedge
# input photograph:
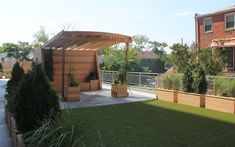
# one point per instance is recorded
(200, 83)
(35, 100)
(155, 65)
(187, 80)
(17, 76)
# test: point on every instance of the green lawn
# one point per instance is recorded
(153, 123)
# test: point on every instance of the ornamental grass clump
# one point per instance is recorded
(224, 86)
(17, 76)
(35, 100)
(172, 81)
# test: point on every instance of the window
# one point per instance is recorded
(208, 24)
(229, 21)
(230, 59)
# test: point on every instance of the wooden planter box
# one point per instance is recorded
(192, 99)
(167, 95)
(84, 86)
(94, 85)
(72, 93)
(119, 90)
(220, 103)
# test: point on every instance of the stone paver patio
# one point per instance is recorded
(103, 97)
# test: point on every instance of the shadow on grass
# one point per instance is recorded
(153, 123)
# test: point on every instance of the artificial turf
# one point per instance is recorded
(151, 124)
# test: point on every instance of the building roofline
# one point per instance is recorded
(221, 11)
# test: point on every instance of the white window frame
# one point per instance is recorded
(204, 24)
(225, 21)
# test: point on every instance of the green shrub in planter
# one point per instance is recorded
(35, 100)
(120, 77)
(172, 81)
(200, 83)
(17, 76)
(187, 80)
(224, 86)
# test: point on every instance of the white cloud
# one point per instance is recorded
(180, 14)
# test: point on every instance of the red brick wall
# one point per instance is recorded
(218, 30)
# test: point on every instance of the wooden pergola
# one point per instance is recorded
(82, 41)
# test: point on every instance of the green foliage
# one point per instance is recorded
(181, 56)
(120, 77)
(48, 63)
(224, 86)
(187, 80)
(199, 82)
(211, 61)
(17, 76)
(41, 37)
(19, 51)
(71, 82)
(35, 100)
(92, 76)
(172, 81)
(1, 68)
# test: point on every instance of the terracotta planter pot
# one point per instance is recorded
(72, 93)
(192, 99)
(220, 103)
(167, 95)
(119, 90)
(94, 85)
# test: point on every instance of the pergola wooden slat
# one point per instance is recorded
(84, 40)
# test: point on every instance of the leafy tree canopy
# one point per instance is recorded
(41, 37)
(20, 51)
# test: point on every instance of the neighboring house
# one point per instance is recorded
(217, 29)
(147, 55)
(151, 60)
(4, 58)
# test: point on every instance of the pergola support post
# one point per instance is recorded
(126, 59)
(63, 73)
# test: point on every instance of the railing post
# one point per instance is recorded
(139, 79)
(112, 76)
(158, 77)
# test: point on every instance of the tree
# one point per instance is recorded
(187, 79)
(180, 56)
(158, 48)
(35, 100)
(41, 37)
(17, 76)
(19, 51)
(140, 42)
(199, 82)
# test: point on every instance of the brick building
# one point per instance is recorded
(217, 29)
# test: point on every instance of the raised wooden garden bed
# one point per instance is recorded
(94, 85)
(72, 93)
(220, 103)
(119, 90)
(167, 95)
(192, 99)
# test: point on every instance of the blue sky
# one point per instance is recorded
(160, 20)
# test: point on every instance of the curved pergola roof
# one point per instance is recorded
(85, 40)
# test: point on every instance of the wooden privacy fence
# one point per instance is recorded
(9, 65)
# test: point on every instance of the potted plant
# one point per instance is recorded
(94, 81)
(191, 85)
(72, 89)
(171, 85)
(119, 88)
